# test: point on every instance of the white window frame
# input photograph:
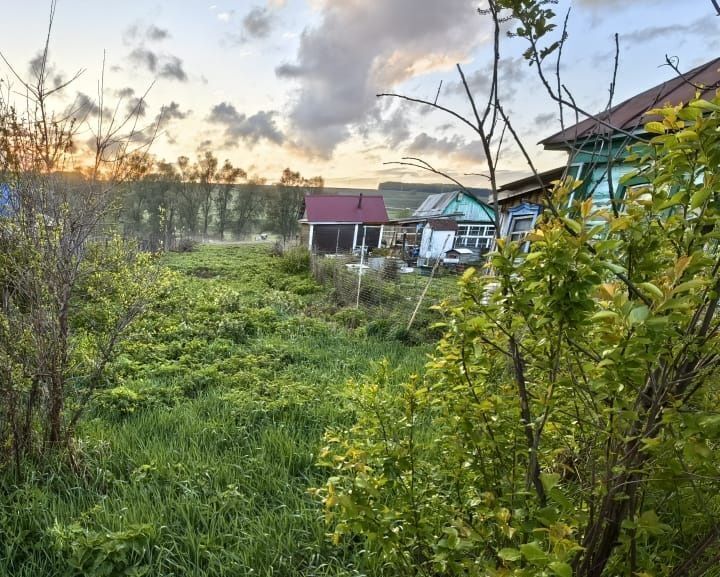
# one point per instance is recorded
(519, 235)
(478, 236)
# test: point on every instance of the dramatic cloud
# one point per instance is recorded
(361, 48)
(250, 129)
(512, 72)
(396, 128)
(257, 23)
(160, 124)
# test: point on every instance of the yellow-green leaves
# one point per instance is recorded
(655, 127)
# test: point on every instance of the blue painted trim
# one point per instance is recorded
(522, 209)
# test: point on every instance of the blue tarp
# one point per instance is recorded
(6, 208)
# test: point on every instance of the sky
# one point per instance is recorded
(270, 84)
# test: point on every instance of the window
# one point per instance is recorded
(598, 187)
(520, 226)
(474, 236)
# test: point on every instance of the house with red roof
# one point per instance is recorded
(336, 224)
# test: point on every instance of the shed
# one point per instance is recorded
(336, 224)
(438, 237)
(458, 256)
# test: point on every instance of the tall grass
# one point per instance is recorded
(203, 467)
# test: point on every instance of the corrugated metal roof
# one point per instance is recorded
(345, 208)
(630, 114)
(435, 204)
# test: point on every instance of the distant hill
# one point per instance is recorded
(430, 188)
(401, 198)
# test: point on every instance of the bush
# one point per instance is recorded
(105, 553)
(350, 318)
(186, 245)
(121, 401)
(296, 261)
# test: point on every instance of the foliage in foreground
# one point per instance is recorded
(568, 422)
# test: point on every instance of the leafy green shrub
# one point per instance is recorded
(350, 318)
(295, 261)
(380, 327)
(87, 553)
(120, 401)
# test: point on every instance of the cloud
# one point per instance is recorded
(159, 63)
(144, 57)
(172, 68)
(140, 32)
(544, 119)
(250, 129)
(85, 106)
(511, 73)
(164, 65)
(52, 75)
(361, 48)
(454, 146)
(172, 112)
(395, 127)
(126, 92)
(156, 34)
(160, 124)
(706, 28)
(257, 23)
(137, 106)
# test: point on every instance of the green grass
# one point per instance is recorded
(197, 455)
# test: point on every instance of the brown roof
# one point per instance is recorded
(529, 185)
(628, 115)
(442, 224)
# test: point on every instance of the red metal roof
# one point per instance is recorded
(630, 114)
(345, 208)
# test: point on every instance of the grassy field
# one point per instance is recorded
(198, 453)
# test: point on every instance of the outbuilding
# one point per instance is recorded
(337, 224)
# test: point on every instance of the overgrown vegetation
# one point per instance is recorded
(568, 421)
(197, 452)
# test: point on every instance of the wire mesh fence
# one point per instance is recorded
(395, 298)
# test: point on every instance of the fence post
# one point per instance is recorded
(360, 270)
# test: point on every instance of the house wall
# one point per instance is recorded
(469, 209)
(340, 238)
(333, 238)
(434, 244)
(589, 164)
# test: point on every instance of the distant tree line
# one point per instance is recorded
(208, 200)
